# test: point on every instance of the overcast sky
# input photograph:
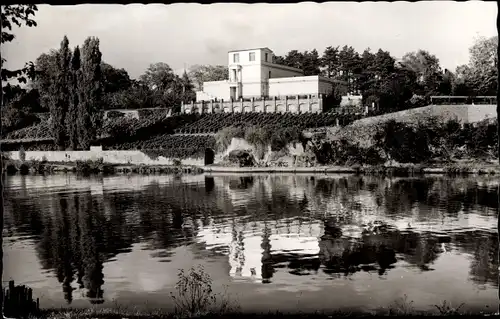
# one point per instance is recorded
(134, 36)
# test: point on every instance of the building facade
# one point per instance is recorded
(253, 74)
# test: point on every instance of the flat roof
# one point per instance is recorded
(265, 48)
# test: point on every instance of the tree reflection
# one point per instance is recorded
(78, 232)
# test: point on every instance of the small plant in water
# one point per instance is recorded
(194, 293)
(402, 307)
(446, 309)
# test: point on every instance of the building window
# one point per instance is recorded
(269, 74)
(266, 57)
(251, 56)
(236, 58)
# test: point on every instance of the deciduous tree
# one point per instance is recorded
(61, 95)
(206, 73)
(18, 14)
(73, 108)
(483, 65)
(90, 93)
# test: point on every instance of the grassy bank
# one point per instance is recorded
(158, 314)
(194, 298)
(97, 167)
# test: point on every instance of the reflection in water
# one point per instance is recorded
(294, 226)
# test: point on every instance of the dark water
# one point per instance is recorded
(278, 242)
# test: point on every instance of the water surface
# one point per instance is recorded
(281, 242)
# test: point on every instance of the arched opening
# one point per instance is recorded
(209, 156)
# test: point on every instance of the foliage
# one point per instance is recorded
(126, 129)
(206, 73)
(90, 93)
(446, 309)
(93, 166)
(330, 62)
(195, 296)
(166, 88)
(167, 145)
(60, 94)
(114, 79)
(403, 143)
(427, 69)
(259, 137)
(16, 116)
(45, 75)
(225, 136)
(212, 123)
(241, 158)
(19, 14)
(344, 152)
(483, 62)
(403, 307)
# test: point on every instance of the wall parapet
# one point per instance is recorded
(276, 104)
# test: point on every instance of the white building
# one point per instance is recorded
(252, 73)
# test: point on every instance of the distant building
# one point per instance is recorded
(252, 74)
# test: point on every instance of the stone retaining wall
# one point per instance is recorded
(112, 157)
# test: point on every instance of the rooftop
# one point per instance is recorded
(264, 48)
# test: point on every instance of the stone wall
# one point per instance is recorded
(112, 157)
(291, 104)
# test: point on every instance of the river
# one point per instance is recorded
(271, 242)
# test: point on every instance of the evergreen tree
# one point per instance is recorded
(71, 118)
(90, 93)
(330, 62)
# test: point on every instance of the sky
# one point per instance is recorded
(134, 36)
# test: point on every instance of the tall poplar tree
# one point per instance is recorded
(90, 93)
(71, 118)
(60, 93)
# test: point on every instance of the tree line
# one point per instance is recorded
(404, 83)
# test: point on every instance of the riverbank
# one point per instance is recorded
(443, 169)
(159, 314)
(93, 167)
(456, 168)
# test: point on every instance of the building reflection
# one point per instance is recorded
(291, 225)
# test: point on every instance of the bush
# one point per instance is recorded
(195, 296)
(224, 136)
(403, 143)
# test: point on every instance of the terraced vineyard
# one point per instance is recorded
(146, 126)
(174, 146)
(154, 131)
(212, 123)
(37, 131)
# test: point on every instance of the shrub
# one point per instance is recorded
(224, 136)
(403, 143)
(195, 296)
